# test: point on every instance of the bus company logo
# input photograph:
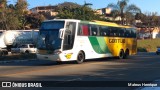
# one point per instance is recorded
(116, 40)
(6, 84)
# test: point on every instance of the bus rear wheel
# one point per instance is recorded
(126, 54)
(80, 57)
(121, 54)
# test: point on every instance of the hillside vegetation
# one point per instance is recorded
(149, 45)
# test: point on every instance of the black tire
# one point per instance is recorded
(80, 57)
(2, 53)
(126, 54)
(59, 62)
(121, 54)
(26, 52)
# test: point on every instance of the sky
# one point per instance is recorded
(144, 5)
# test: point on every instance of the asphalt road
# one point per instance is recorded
(140, 67)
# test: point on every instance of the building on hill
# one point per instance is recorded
(103, 11)
(148, 33)
(51, 11)
(156, 33)
(45, 9)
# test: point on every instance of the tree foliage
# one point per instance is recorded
(122, 9)
(17, 17)
(34, 20)
(77, 12)
(8, 19)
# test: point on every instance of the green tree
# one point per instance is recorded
(8, 16)
(3, 4)
(122, 9)
(77, 12)
(21, 11)
(34, 20)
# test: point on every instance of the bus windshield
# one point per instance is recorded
(48, 35)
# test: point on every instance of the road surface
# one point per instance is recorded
(140, 67)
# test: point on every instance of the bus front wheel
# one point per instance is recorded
(59, 62)
(80, 57)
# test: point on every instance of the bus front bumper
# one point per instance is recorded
(49, 57)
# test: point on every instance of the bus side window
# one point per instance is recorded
(103, 31)
(94, 30)
(121, 32)
(80, 30)
(111, 31)
(116, 32)
(85, 30)
(133, 32)
(127, 33)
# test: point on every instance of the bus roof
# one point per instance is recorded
(103, 23)
(106, 23)
(63, 20)
(92, 22)
(110, 24)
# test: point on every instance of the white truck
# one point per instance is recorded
(14, 38)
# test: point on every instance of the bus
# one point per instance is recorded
(68, 39)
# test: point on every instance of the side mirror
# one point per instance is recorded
(61, 31)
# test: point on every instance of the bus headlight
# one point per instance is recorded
(57, 52)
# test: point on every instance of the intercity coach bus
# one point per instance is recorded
(69, 39)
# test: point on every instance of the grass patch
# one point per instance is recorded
(148, 45)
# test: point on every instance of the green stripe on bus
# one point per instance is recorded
(95, 45)
(85, 22)
(103, 45)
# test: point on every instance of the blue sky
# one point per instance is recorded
(144, 5)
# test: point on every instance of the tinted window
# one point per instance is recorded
(128, 32)
(104, 31)
(24, 46)
(133, 33)
(114, 31)
(94, 30)
(31, 46)
(121, 32)
(83, 29)
(69, 35)
(52, 25)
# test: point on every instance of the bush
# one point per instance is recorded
(140, 49)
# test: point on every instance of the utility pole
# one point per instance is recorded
(85, 4)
